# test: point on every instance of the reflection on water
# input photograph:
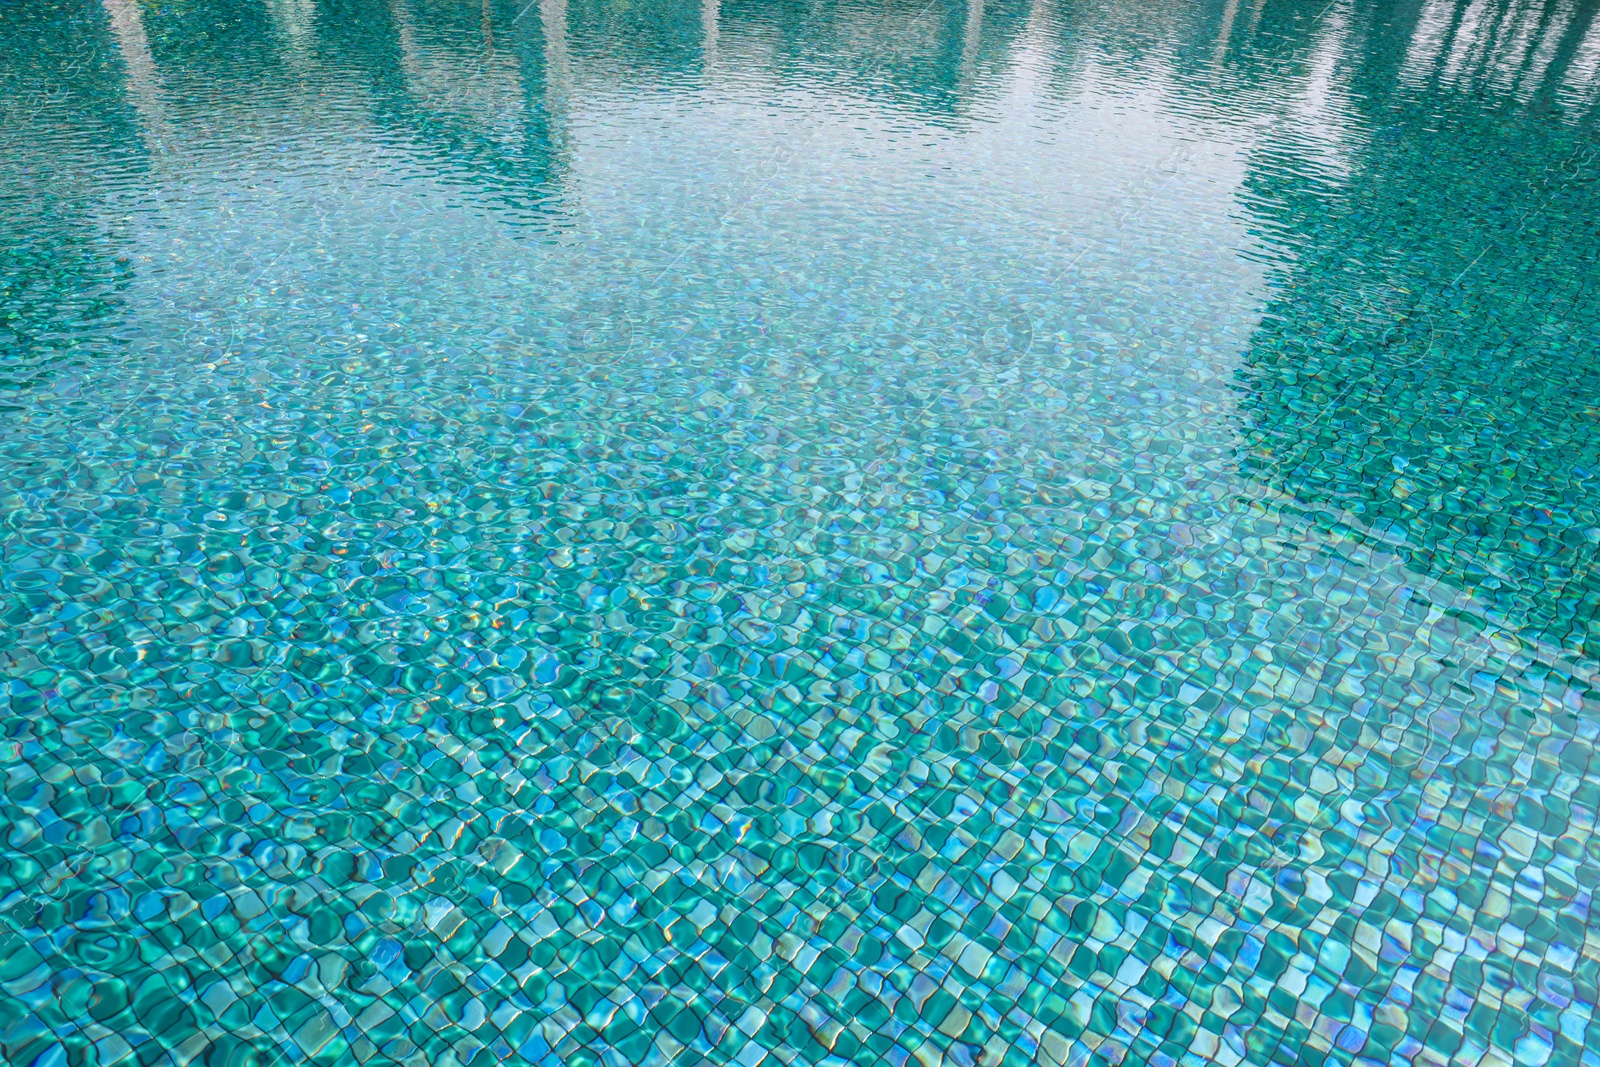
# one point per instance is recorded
(753, 531)
(1423, 365)
(60, 265)
(1513, 49)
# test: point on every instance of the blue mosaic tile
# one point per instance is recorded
(974, 533)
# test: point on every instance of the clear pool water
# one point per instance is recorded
(937, 532)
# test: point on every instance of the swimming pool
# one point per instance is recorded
(798, 532)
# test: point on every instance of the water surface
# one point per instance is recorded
(991, 532)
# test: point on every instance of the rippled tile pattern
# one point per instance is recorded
(940, 534)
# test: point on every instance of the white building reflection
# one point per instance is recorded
(1511, 48)
(143, 80)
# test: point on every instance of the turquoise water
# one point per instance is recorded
(942, 532)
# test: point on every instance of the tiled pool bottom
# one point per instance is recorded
(992, 533)
(1343, 827)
